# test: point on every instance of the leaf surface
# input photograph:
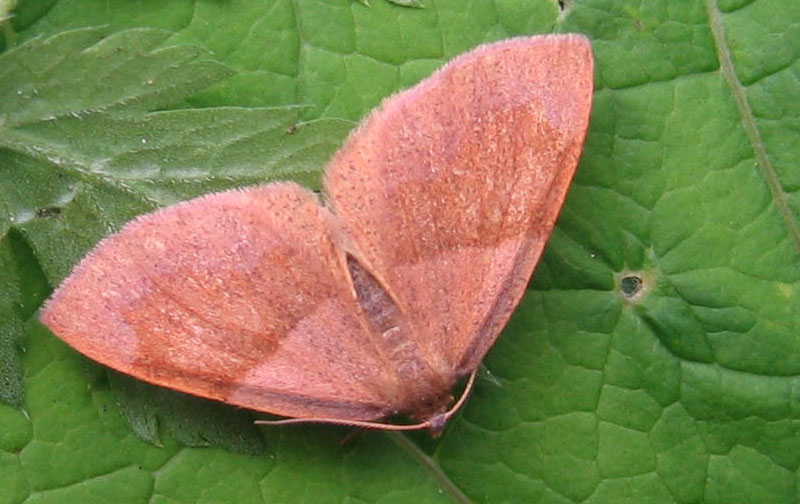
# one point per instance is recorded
(654, 359)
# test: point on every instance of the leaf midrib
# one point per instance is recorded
(431, 467)
(749, 122)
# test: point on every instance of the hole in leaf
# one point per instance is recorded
(631, 285)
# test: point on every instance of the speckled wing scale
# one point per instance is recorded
(377, 302)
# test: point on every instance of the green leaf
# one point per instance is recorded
(675, 387)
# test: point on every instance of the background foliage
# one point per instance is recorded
(654, 359)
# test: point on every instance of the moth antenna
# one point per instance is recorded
(435, 423)
(464, 395)
(347, 423)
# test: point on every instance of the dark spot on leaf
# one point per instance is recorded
(630, 285)
(291, 129)
(562, 5)
(48, 212)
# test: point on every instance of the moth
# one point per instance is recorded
(376, 299)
